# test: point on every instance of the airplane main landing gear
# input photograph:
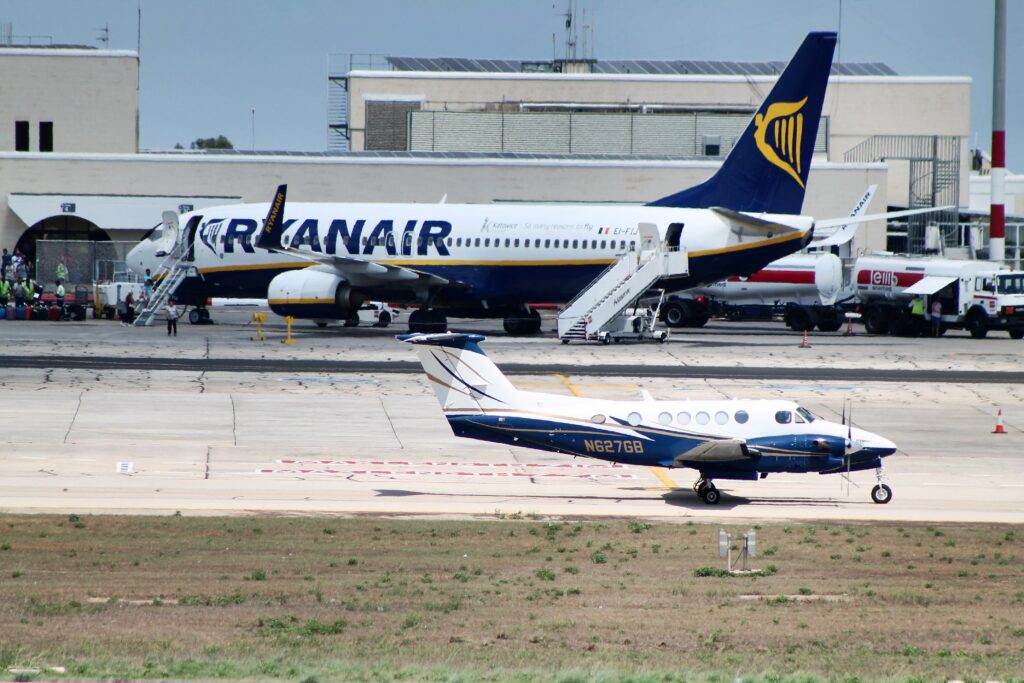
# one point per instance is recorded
(706, 490)
(527, 322)
(881, 494)
(427, 321)
(199, 316)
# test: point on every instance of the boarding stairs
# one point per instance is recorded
(175, 269)
(591, 314)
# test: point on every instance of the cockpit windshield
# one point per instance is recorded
(156, 234)
(805, 414)
(1011, 284)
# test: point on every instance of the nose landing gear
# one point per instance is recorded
(881, 494)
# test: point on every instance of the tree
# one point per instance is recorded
(219, 142)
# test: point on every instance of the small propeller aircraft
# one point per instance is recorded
(721, 439)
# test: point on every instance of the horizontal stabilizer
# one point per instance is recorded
(753, 223)
(453, 340)
(849, 220)
(726, 450)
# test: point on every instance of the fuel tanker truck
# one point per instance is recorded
(806, 290)
(976, 296)
(815, 290)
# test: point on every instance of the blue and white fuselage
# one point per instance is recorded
(722, 439)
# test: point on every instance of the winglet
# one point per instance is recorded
(273, 226)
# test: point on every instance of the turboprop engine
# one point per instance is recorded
(310, 293)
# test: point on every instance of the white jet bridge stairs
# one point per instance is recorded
(176, 268)
(617, 288)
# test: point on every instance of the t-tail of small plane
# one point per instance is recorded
(766, 171)
(464, 379)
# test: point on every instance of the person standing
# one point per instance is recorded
(936, 316)
(171, 312)
(147, 283)
(129, 310)
(60, 295)
(5, 291)
(5, 266)
(62, 271)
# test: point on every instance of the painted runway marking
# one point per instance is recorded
(446, 473)
(453, 463)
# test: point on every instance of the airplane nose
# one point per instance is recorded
(135, 259)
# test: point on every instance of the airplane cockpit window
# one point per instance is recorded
(156, 234)
(741, 417)
(783, 417)
(703, 418)
(805, 414)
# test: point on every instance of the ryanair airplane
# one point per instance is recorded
(322, 260)
(721, 439)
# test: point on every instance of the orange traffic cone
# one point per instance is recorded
(1000, 429)
(805, 344)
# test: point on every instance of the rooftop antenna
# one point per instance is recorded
(104, 36)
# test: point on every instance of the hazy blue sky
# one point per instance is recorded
(207, 63)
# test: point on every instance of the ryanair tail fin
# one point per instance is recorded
(273, 227)
(464, 379)
(766, 171)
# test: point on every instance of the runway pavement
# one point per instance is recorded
(140, 439)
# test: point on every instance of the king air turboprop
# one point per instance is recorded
(721, 439)
(321, 260)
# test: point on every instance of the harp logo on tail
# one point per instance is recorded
(779, 135)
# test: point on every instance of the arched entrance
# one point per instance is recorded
(79, 262)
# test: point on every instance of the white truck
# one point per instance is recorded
(805, 289)
(977, 296)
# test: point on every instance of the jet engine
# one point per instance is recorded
(310, 293)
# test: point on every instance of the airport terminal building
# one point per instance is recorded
(476, 131)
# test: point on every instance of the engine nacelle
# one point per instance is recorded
(309, 293)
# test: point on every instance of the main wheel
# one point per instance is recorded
(874, 321)
(881, 494)
(194, 316)
(712, 496)
(977, 324)
(673, 314)
(352, 320)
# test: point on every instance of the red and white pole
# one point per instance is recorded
(997, 214)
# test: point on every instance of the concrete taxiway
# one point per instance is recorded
(142, 438)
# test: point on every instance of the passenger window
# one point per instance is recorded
(683, 418)
(575, 244)
(516, 242)
(632, 245)
(547, 243)
(458, 242)
(741, 417)
(721, 417)
(703, 418)
(556, 244)
(477, 242)
(602, 244)
(665, 418)
(622, 245)
(635, 419)
(507, 242)
(783, 417)
(487, 242)
(598, 419)
(449, 241)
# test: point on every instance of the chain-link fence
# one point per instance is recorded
(85, 262)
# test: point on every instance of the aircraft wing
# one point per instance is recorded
(725, 450)
(271, 237)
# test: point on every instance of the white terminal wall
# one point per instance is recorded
(91, 96)
(858, 107)
(832, 189)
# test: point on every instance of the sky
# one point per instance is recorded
(207, 64)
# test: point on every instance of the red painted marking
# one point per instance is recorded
(997, 220)
(782, 277)
(441, 473)
(455, 463)
(999, 149)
